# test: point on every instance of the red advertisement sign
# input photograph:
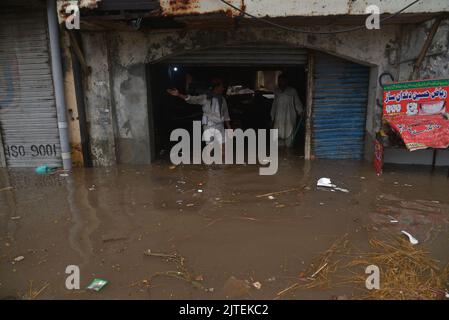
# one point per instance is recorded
(421, 132)
(428, 97)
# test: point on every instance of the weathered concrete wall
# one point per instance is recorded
(125, 132)
(436, 63)
(116, 100)
(99, 102)
(434, 66)
(263, 8)
(130, 96)
(372, 48)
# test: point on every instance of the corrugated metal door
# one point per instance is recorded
(27, 107)
(339, 108)
(242, 55)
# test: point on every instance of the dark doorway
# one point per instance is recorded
(249, 97)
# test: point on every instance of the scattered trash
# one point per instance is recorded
(341, 189)
(321, 277)
(393, 219)
(200, 191)
(92, 188)
(19, 258)
(44, 169)
(411, 238)
(280, 206)
(319, 270)
(32, 294)
(6, 188)
(408, 272)
(111, 239)
(189, 205)
(446, 294)
(327, 183)
(97, 284)
(257, 285)
(64, 175)
(183, 272)
(16, 218)
(275, 193)
(271, 197)
(160, 255)
(172, 167)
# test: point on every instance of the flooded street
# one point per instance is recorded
(229, 223)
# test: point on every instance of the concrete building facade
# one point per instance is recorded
(114, 52)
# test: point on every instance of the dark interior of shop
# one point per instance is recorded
(249, 95)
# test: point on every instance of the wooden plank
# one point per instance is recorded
(425, 48)
(310, 78)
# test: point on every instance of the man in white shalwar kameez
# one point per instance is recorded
(215, 111)
(285, 110)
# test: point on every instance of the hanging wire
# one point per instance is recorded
(274, 24)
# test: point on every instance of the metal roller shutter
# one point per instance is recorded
(27, 107)
(339, 108)
(242, 55)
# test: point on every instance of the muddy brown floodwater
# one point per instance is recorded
(104, 220)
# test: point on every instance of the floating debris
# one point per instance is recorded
(320, 277)
(407, 272)
(271, 194)
(32, 294)
(411, 238)
(257, 285)
(19, 258)
(393, 219)
(182, 272)
(327, 183)
(97, 284)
